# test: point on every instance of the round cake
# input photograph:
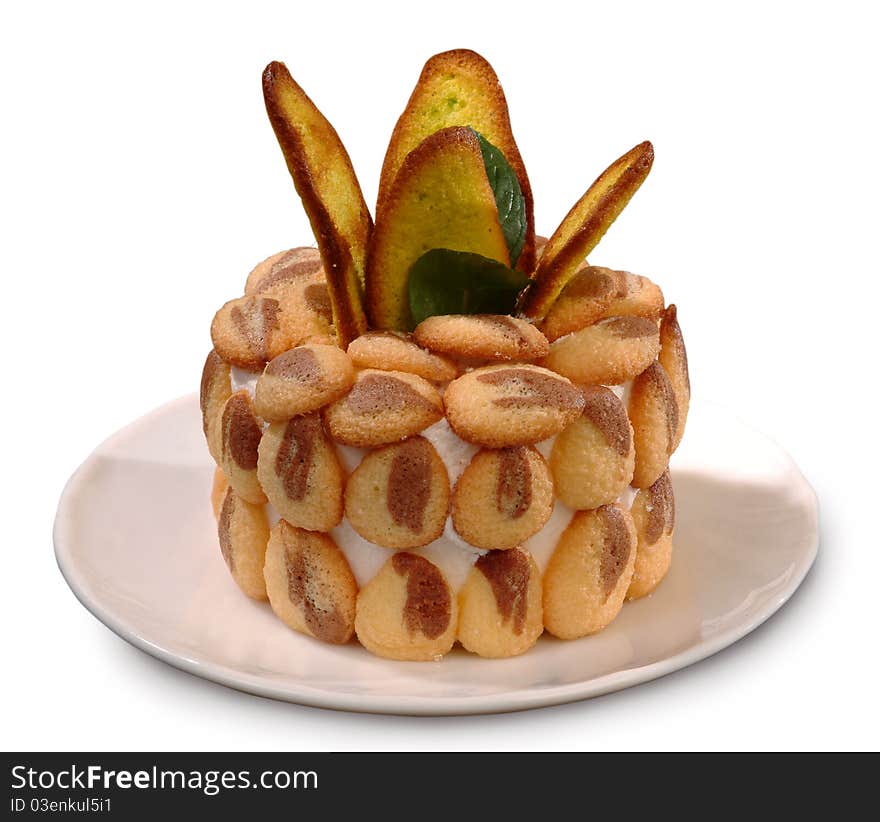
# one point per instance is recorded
(440, 427)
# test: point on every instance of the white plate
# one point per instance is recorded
(136, 541)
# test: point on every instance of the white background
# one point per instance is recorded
(141, 181)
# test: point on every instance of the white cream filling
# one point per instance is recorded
(449, 552)
(271, 514)
(623, 392)
(241, 380)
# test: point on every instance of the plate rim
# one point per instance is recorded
(412, 704)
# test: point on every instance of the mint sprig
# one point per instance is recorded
(508, 197)
(443, 281)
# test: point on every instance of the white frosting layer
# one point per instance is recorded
(239, 379)
(450, 553)
(272, 514)
(623, 392)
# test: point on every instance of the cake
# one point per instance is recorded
(440, 427)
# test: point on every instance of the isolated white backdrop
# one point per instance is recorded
(140, 181)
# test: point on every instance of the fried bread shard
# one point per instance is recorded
(584, 226)
(440, 198)
(325, 180)
(459, 88)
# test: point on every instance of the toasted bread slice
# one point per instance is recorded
(459, 88)
(326, 182)
(584, 226)
(441, 198)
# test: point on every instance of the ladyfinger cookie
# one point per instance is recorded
(249, 331)
(653, 412)
(610, 352)
(503, 405)
(500, 613)
(653, 513)
(595, 293)
(301, 380)
(482, 337)
(397, 351)
(214, 391)
(309, 583)
(593, 459)
(588, 574)
(398, 496)
(296, 279)
(243, 533)
(276, 272)
(383, 407)
(503, 497)
(673, 358)
(407, 611)
(300, 473)
(241, 431)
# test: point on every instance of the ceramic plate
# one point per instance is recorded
(136, 541)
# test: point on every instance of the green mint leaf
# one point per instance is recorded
(508, 197)
(442, 281)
